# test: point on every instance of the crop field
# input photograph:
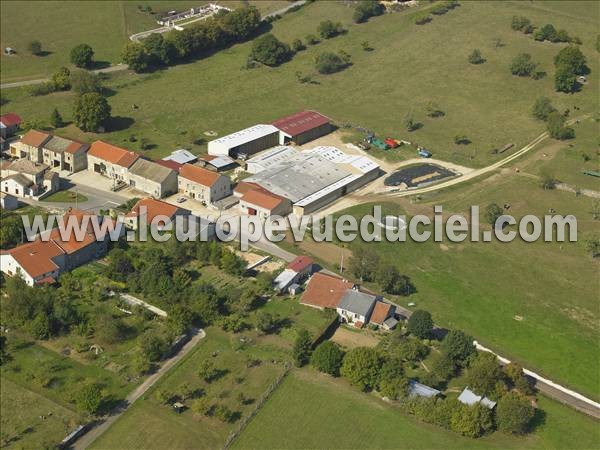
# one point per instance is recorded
(104, 25)
(311, 410)
(484, 102)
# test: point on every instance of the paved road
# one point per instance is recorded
(87, 439)
(109, 69)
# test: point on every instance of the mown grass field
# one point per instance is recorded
(482, 287)
(410, 66)
(60, 26)
(310, 410)
(163, 428)
(21, 424)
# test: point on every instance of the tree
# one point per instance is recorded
(514, 413)
(136, 57)
(298, 45)
(4, 356)
(328, 29)
(366, 9)
(475, 57)
(483, 373)
(62, 79)
(392, 383)
(422, 18)
(152, 346)
(520, 23)
(565, 79)
(266, 322)
(514, 373)
(56, 119)
(458, 346)
(269, 50)
(420, 324)
(443, 367)
(363, 263)
(522, 65)
(10, 231)
(40, 326)
(328, 358)
(119, 265)
(83, 82)
(471, 421)
(89, 398)
(409, 122)
(90, 111)
(557, 128)
(542, 108)
(232, 263)
(159, 51)
(433, 110)
(411, 350)
(34, 47)
(302, 348)
(492, 212)
(328, 62)
(207, 371)
(391, 280)
(361, 367)
(81, 55)
(547, 32)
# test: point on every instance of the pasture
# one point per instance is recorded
(312, 410)
(409, 67)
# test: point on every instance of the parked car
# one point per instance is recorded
(181, 199)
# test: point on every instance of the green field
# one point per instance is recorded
(60, 26)
(409, 67)
(65, 197)
(21, 424)
(310, 410)
(163, 428)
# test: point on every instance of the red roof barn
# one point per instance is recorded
(303, 127)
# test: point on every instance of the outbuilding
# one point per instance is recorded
(303, 127)
(153, 179)
(245, 142)
(262, 203)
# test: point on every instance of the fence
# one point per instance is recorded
(245, 420)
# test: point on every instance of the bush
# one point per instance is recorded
(492, 212)
(522, 65)
(268, 50)
(328, 29)
(62, 79)
(298, 46)
(483, 374)
(302, 348)
(83, 82)
(542, 108)
(520, 23)
(556, 124)
(81, 55)
(514, 413)
(458, 346)
(328, 358)
(89, 398)
(422, 19)
(311, 39)
(367, 9)
(327, 63)
(37, 90)
(475, 57)
(420, 324)
(471, 421)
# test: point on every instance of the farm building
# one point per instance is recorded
(245, 142)
(325, 291)
(150, 210)
(416, 389)
(468, 397)
(111, 161)
(383, 315)
(202, 184)
(65, 154)
(262, 203)
(216, 163)
(295, 272)
(311, 179)
(302, 127)
(181, 156)
(153, 179)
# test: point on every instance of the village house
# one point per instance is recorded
(9, 124)
(111, 161)
(202, 184)
(355, 307)
(153, 210)
(8, 202)
(27, 179)
(325, 291)
(383, 316)
(153, 179)
(44, 259)
(29, 146)
(64, 154)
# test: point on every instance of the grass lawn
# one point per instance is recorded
(410, 66)
(104, 25)
(311, 410)
(65, 197)
(482, 287)
(165, 429)
(21, 424)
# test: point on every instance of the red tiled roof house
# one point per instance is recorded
(202, 184)
(111, 161)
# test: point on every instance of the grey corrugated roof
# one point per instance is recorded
(417, 389)
(357, 302)
(390, 322)
(150, 170)
(468, 397)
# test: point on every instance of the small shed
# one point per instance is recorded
(416, 389)
(468, 397)
(178, 407)
(295, 289)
